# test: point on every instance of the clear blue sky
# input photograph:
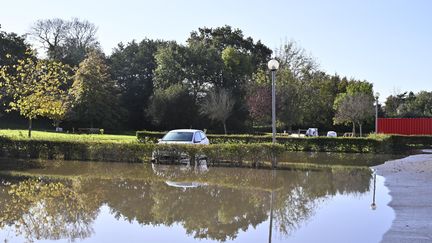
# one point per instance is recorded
(387, 42)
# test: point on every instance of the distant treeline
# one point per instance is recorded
(218, 80)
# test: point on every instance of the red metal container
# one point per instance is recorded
(405, 126)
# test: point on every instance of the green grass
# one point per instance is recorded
(54, 136)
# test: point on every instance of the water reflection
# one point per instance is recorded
(214, 204)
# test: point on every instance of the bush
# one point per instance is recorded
(372, 144)
(136, 152)
(78, 150)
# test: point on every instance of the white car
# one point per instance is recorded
(179, 136)
(185, 136)
(312, 132)
(332, 134)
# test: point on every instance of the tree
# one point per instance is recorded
(409, 105)
(133, 66)
(195, 66)
(226, 36)
(356, 108)
(66, 41)
(218, 106)
(295, 59)
(37, 88)
(172, 107)
(259, 102)
(12, 48)
(96, 93)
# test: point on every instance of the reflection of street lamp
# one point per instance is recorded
(373, 205)
(273, 65)
(272, 199)
(376, 112)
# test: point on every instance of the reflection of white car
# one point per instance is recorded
(179, 136)
(332, 134)
(185, 185)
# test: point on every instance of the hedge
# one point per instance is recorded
(234, 154)
(378, 144)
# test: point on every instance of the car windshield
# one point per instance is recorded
(178, 136)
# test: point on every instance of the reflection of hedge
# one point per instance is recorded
(381, 144)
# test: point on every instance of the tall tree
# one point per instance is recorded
(295, 59)
(409, 105)
(195, 66)
(38, 88)
(133, 66)
(12, 48)
(226, 36)
(96, 93)
(218, 105)
(66, 41)
(173, 107)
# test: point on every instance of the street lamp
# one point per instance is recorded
(273, 65)
(376, 112)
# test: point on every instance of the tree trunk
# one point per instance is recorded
(225, 129)
(361, 130)
(353, 131)
(30, 128)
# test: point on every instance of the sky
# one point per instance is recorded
(386, 42)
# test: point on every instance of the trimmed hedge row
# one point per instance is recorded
(380, 144)
(135, 152)
(78, 150)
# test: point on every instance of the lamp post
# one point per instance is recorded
(376, 112)
(273, 65)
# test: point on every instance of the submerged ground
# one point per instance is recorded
(114, 202)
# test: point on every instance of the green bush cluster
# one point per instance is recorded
(228, 154)
(371, 144)
(75, 150)
(234, 154)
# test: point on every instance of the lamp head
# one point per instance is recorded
(273, 65)
(377, 95)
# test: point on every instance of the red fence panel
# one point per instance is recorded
(405, 126)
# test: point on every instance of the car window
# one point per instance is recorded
(198, 136)
(178, 136)
(203, 136)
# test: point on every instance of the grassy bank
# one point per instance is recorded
(21, 135)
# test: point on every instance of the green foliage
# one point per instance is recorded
(96, 94)
(372, 144)
(12, 48)
(66, 137)
(409, 105)
(226, 36)
(37, 88)
(133, 66)
(173, 107)
(196, 67)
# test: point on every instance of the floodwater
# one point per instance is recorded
(71, 201)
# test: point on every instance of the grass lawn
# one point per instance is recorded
(55, 136)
